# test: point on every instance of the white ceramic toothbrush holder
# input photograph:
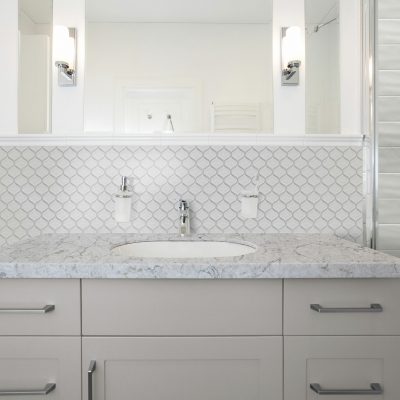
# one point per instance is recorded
(249, 205)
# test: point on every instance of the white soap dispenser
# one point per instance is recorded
(123, 202)
(249, 202)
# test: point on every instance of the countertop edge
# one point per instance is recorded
(281, 271)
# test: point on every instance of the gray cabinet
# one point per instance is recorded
(352, 367)
(40, 343)
(40, 307)
(196, 340)
(342, 307)
(199, 339)
(182, 368)
(40, 367)
(181, 307)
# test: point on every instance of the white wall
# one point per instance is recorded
(230, 63)
(323, 79)
(350, 67)
(68, 108)
(25, 24)
(34, 84)
(35, 76)
(9, 66)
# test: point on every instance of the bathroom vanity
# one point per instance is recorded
(266, 325)
(268, 103)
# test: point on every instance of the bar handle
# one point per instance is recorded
(44, 310)
(374, 308)
(29, 392)
(92, 368)
(376, 389)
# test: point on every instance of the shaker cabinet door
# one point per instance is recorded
(342, 367)
(182, 368)
(40, 368)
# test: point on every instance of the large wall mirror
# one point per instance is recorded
(190, 67)
(35, 20)
(183, 66)
(323, 66)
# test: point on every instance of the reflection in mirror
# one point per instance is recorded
(180, 66)
(322, 66)
(34, 86)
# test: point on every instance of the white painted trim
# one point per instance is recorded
(123, 86)
(204, 139)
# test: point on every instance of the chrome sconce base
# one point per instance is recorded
(66, 75)
(291, 53)
(291, 74)
(65, 48)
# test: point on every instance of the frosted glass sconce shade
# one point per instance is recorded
(65, 55)
(291, 51)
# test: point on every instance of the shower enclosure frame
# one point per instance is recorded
(368, 123)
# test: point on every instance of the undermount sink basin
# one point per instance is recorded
(183, 249)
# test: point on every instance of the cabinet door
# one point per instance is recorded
(183, 368)
(40, 367)
(342, 367)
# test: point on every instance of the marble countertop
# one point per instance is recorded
(277, 256)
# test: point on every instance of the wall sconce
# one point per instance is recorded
(290, 55)
(65, 55)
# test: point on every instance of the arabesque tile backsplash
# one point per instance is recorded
(70, 189)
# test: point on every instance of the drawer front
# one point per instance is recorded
(30, 367)
(176, 307)
(342, 367)
(342, 307)
(39, 307)
(196, 368)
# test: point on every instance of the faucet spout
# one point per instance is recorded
(184, 219)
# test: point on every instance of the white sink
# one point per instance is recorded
(183, 249)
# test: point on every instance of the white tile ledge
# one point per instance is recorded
(179, 139)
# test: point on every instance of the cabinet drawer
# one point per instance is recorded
(341, 365)
(39, 307)
(342, 307)
(181, 307)
(196, 368)
(35, 365)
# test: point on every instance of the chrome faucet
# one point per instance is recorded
(184, 218)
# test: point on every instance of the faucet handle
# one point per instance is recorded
(183, 205)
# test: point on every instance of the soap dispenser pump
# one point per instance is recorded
(123, 202)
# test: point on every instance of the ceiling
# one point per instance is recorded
(39, 11)
(221, 11)
(319, 11)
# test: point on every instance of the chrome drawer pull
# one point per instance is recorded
(46, 309)
(376, 389)
(27, 392)
(374, 308)
(92, 368)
